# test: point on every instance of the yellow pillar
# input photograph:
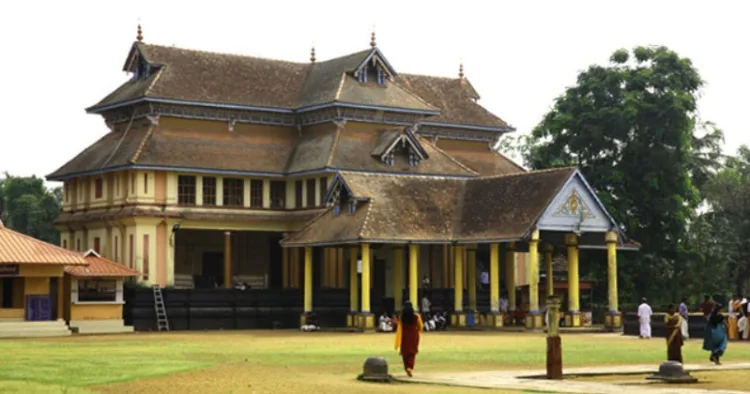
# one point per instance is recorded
(227, 260)
(413, 274)
(611, 239)
(458, 283)
(571, 241)
(495, 278)
(308, 280)
(534, 319)
(471, 280)
(398, 278)
(353, 282)
(365, 308)
(548, 249)
(510, 273)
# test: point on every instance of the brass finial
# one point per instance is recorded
(139, 37)
(312, 54)
(461, 71)
(372, 38)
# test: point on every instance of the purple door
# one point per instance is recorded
(38, 308)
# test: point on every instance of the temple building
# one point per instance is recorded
(217, 170)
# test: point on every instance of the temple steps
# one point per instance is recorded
(99, 327)
(24, 329)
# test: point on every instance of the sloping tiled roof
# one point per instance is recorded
(17, 248)
(99, 267)
(400, 208)
(486, 162)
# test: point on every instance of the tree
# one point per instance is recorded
(28, 206)
(631, 128)
(728, 193)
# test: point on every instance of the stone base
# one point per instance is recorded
(672, 372)
(366, 321)
(573, 319)
(114, 326)
(458, 319)
(352, 319)
(613, 321)
(495, 320)
(534, 321)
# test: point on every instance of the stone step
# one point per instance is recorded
(23, 329)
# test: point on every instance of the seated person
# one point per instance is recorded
(441, 322)
(311, 323)
(385, 324)
(430, 323)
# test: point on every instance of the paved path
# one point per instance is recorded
(519, 380)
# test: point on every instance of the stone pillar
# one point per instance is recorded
(573, 318)
(398, 278)
(554, 342)
(308, 283)
(613, 320)
(471, 280)
(534, 319)
(459, 317)
(496, 317)
(227, 259)
(366, 320)
(353, 288)
(510, 275)
(548, 250)
(413, 274)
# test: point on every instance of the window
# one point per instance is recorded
(78, 245)
(97, 290)
(323, 190)
(117, 244)
(65, 243)
(278, 194)
(98, 188)
(132, 184)
(186, 190)
(97, 245)
(311, 192)
(145, 183)
(130, 252)
(256, 194)
(67, 192)
(298, 194)
(145, 256)
(234, 192)
(209, 191)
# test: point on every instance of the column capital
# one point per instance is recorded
(611, 237)
(571, 240)
(510, 246)
(534, 236)
(227, 233)
(549, 248)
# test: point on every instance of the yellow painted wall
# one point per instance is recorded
(40, 270)
(101, 233)
(36, 286)
(15, 313)
(95, 312)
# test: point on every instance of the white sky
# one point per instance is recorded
(62, 56)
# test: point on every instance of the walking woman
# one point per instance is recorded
(673, 321)
(407, 336)
(715, 340)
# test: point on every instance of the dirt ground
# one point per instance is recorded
(707, 380)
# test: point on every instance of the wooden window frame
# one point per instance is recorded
(209, 191)
(278, 194)
(234, 192)
(187, 192)
(298, 195)
(146, 256)
(256, 193)
(98, 188)
(97, 245)
(311, 183)
(323, 190)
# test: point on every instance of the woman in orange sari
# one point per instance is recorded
(407, 336)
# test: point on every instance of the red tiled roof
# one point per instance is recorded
(99, 267)
(17, 248)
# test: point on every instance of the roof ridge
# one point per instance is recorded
(414, 94)
(153, 83)
(309, 223)
(504, 156)
(533, 172)
(458, 220)
(207, 52)
(334, 145)
(451, 158)
(145, 139)
(361, 232)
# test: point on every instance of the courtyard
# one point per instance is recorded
(294, 362)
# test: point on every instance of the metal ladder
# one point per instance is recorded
(162, 324)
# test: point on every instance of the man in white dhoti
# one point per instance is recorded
(684, 313)
(644, 318)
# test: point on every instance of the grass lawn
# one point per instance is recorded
(293, 362)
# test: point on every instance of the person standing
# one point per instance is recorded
(684, 314)
(673, 321)
(715, 340)
(743, 326)
(426, 305)
(644, 318)
(732, 308)
(409, 329)
(707, 306)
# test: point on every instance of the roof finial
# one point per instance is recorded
(312, 54)
(139, 37)
(372, 38)
(461, 70)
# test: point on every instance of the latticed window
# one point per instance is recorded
(186, 190)
(278, 194)
(256, 193)
(209, 191)
(234, 192)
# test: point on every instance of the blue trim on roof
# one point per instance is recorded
(98, 109)
(469, 127)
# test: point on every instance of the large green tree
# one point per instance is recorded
(28, 206)
(632, 128)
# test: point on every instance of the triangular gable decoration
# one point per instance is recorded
(374, 65)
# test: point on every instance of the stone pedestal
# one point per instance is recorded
(534, 321)
(375, 369)
(554, 358)
(352, 320)
(672, 372)
(458, 319)
(366, 321)
(613, 321)
(573, 319)
(495, 320)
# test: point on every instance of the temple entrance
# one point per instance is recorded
(212, 271)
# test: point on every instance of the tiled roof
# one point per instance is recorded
(400, 208)
(99, 267)
(486, 162)
(17, 248)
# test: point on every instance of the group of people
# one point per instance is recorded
(738, 310)
(676, 321)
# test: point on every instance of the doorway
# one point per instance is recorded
(212, 270)
(6, 295)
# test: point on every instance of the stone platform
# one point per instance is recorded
(525, 380)
(24, 329)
